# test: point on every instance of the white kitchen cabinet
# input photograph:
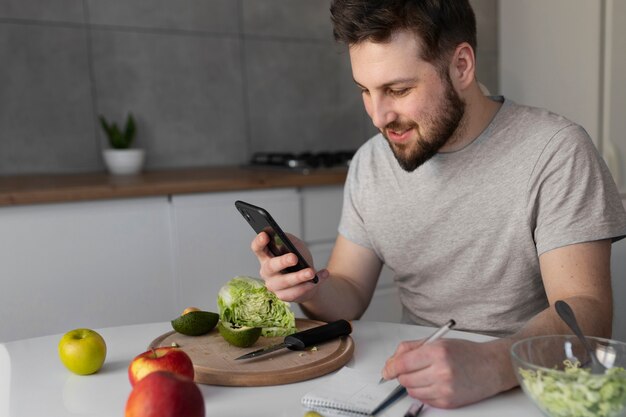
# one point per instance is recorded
(212, 239)
(116, 262)
(88, 264)
(321, 212)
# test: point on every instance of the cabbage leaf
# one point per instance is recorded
(244, 301)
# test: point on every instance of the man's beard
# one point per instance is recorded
(444, 123)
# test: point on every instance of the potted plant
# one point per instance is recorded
(120, 158)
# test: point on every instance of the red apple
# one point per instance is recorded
(160, 359)
(165, 394)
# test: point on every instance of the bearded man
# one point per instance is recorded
(486, 211)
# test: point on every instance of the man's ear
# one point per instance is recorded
(463, 66)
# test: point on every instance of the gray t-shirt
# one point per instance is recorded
(463, 232)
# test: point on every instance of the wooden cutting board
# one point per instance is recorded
(214, 364)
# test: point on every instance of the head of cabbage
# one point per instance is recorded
(245, 301)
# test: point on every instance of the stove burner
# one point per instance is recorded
(305, 160)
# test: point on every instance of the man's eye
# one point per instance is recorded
(364, 91)
(399, 92)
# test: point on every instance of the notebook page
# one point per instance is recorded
(349, 390)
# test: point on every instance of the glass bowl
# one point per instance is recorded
(554, 373)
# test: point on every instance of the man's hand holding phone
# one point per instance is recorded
(286, 263)
(289, 286)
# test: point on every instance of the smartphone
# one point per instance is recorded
(262, 221)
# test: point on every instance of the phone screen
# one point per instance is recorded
(276, 244)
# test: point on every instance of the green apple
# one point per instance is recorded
(82, 351)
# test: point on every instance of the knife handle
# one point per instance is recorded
(301, 340)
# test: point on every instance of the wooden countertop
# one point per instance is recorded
(35, 189)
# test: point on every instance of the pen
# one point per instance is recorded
(439, 333)
(415, 409)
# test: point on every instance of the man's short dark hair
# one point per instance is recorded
(441, 25)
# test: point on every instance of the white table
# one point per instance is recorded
(33, 382)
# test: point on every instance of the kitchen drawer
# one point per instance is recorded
(321, 212)
(88, 264)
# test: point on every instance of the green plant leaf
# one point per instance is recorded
(117, 138)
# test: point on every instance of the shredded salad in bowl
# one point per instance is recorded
(578, 393)
(562, 387)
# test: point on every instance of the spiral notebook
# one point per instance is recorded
(352, 393)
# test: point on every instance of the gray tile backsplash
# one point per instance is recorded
(67, 11)
(46, 109)
(301, 19)
(216, 16)
(209, 81)
(186, 92)
(301, 97)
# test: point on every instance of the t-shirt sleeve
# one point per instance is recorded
(572, 197)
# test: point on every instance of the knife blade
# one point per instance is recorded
(305, 338)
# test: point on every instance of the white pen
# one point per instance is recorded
(439, 333)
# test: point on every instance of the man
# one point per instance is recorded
(487, 211)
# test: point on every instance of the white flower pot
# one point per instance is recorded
(124, 161)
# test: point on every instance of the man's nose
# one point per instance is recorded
(381, 112)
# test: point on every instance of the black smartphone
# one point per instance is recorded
(262, 221)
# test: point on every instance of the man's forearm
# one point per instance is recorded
(336, 299)
(594, 317)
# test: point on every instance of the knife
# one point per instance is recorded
(305, 338)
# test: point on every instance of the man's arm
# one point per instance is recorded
(450, 373)
(580, 275)
(345, 287)
(346, 294)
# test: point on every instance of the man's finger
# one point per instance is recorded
(408, 345)
(259, 246)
